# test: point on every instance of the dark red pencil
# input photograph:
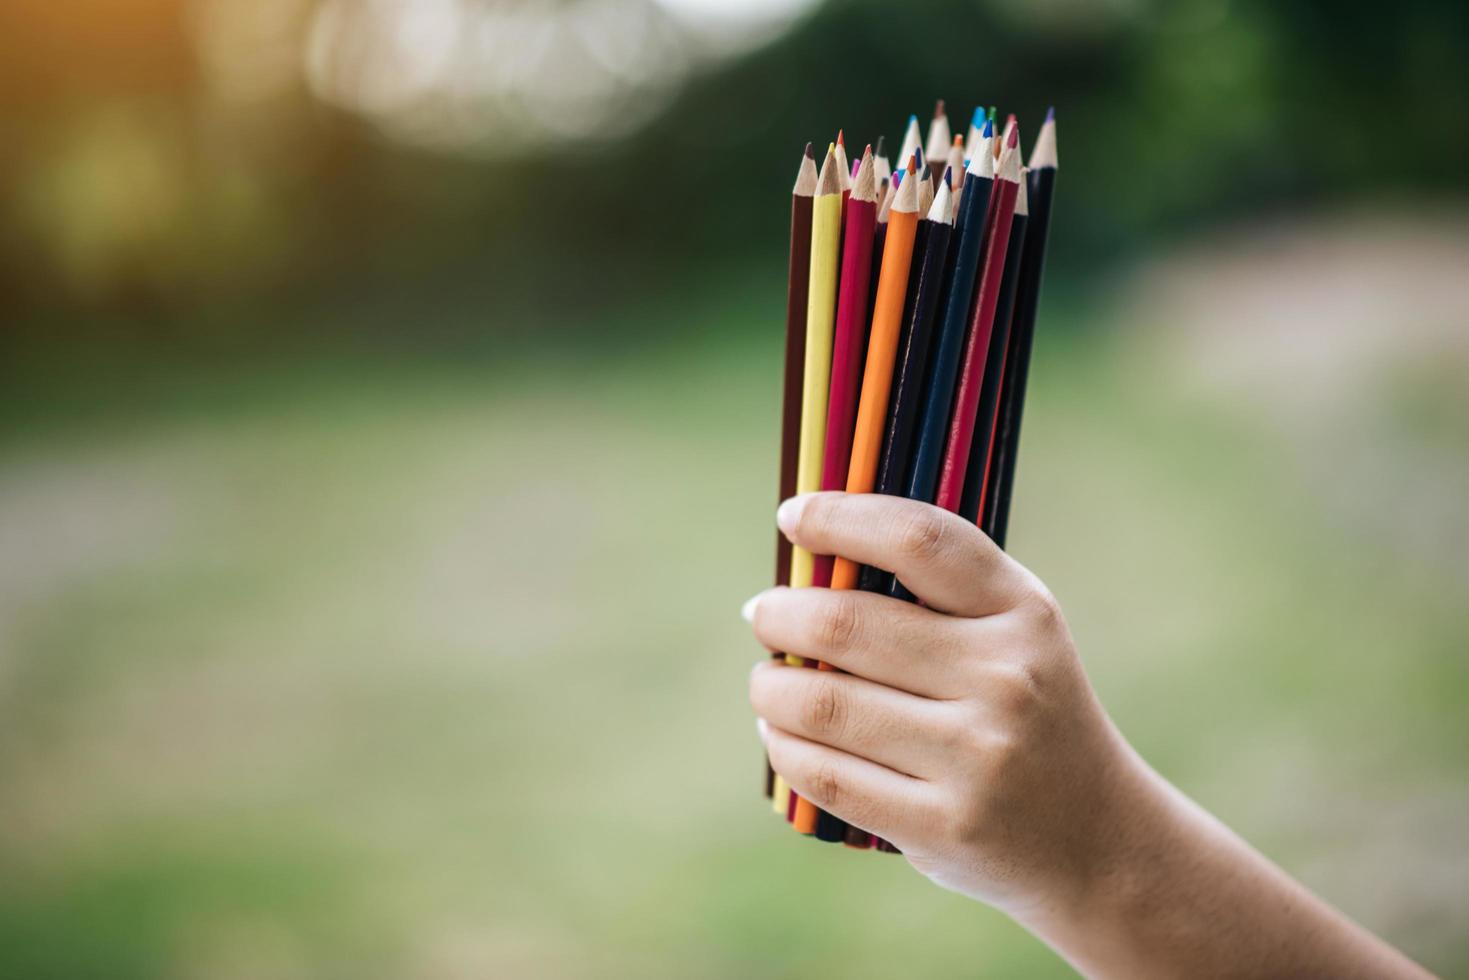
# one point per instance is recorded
(977, 340)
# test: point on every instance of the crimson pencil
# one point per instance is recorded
(849, 341)
(977, 341)
(1041, 186)
(981, 450)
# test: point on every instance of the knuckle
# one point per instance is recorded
(1017, 688)
(1043, 608)
(826, 786)
(840, 623)
(924, 535)
(825, 711)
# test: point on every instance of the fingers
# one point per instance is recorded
(862, 793)
(943, 559)
(883, 639)
(897, 730)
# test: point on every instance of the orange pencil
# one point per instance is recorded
(882, 349)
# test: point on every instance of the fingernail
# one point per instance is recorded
(788, 514)
(747, 611)
(762, 729)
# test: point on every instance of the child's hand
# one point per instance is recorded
(965, 732)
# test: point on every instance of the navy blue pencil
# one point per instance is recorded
(933, 427)
(926, 282)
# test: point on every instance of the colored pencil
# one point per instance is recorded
(1041, 189)
(826, 218)
(981, 451)
(848, 356)
(802, 196)
(975, 134)
(954, 162)
(798, 275)
(981, 325)
(931, 260)
(938, 397)
(882, 351)
(849, 340)
(936, 149)
(912, 140)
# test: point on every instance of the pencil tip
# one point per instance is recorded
(867, 153)
(809, 154)
(913, 119)
(879, 145)
(992, 114)
(958, 139)
(978, 117)
(840, 141)
(938, 108)
(1014, 139)
(989, 129)
(912, 162)
(1051, 114)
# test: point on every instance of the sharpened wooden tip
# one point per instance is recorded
(829, 181)
(864, 185)
(982, 164)
(806, 175)
(1044, 153)
(905, 201)
(942, 209)
(1009, 166)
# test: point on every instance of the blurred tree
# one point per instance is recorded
(172, 159)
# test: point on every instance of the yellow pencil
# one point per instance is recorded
(821, 300)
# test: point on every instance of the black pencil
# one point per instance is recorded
(1041, 183)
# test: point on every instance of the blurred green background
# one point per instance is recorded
(389, 397)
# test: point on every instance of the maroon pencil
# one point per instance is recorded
(798, 279)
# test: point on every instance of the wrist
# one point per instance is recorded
(1112, 880)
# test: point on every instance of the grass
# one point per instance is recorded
(431, 669)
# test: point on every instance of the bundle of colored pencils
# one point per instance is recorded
(909, 318)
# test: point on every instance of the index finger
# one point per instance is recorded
(941, 558)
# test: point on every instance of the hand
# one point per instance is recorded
(965, 732)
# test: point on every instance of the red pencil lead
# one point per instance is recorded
(868, 151)
(840, 142)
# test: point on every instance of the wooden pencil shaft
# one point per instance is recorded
(957, 304)
(1022, 334)
(989, 397)
(976, 347)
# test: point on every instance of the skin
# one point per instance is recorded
(966, 732)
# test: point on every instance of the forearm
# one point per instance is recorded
(1175, 893)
